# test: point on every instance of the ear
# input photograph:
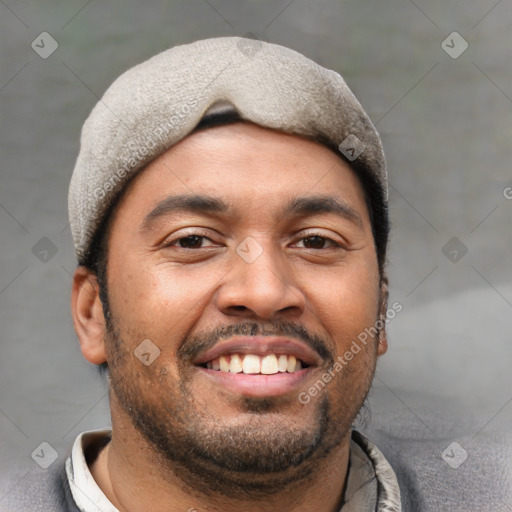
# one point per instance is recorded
(87, 313)
(382, 346)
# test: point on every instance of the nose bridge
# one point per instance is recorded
(260, 280)
(259, 262)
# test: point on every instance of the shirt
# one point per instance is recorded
(372, 485)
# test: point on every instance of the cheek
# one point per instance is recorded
(347, 301)
(159, 302)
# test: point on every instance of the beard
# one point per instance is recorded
(254, 455)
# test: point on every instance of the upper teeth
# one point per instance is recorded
(251, 363)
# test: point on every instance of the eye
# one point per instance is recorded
(316, 241)
(192, 241)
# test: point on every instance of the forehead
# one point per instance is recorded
(253, 169)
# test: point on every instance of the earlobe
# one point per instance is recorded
(87, 313)
(382, 347)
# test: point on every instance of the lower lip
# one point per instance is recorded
(256, 385)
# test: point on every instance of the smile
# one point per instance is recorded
(259, 366)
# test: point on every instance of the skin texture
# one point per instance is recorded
(181, 440)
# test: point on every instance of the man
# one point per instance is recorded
(229, 213)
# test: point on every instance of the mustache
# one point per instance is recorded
(194, 345)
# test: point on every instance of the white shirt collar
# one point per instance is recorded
(86, 492)
(372, 484)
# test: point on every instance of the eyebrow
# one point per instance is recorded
(185, 203)
(322, 204)
(296, 207)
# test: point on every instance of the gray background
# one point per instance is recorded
(446, 128)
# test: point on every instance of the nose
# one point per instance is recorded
(264, 287)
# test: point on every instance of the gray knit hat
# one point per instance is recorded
(155, 104)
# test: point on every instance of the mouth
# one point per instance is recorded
(258, 366)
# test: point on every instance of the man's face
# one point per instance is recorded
(257, 284)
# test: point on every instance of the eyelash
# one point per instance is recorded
(205, 235)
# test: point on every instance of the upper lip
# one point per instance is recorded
(261, 345)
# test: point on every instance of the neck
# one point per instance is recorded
(135, 479)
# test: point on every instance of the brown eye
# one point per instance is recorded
(190, 242)
(317, 242)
